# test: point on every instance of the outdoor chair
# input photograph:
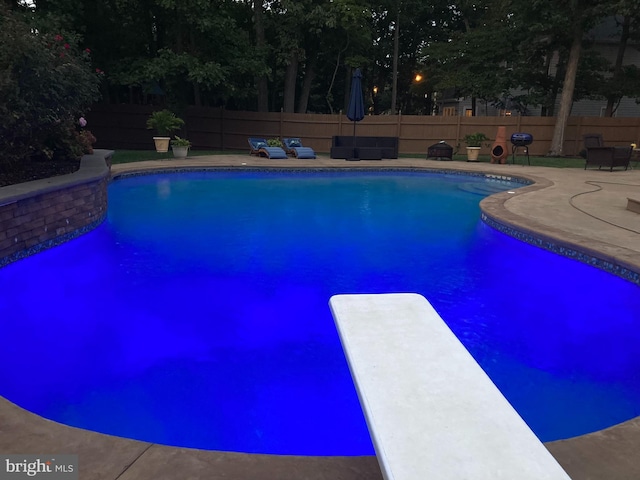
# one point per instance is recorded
(260, 147)
(593, 140)
(598, 154)
(293, 146)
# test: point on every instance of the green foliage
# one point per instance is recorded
(274, 142)
(472, 60)
(46, 85)
(180, 142)
(175, 53)
(164, 122)
(475, 139)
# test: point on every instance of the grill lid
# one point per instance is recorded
(521, 139)
(440, 150)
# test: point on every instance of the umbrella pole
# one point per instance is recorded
(354, 139)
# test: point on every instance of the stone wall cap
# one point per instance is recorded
(92, 167)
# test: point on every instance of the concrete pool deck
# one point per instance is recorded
(570, 206)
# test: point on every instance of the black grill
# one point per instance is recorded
(520, 140)
(441, 151)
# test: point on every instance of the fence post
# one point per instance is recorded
(281, 122)
(576, 147)
(221, 128)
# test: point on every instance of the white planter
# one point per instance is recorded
(180, 152)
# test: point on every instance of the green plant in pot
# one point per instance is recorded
(474, 143)
(275, 142)
(164, 122)
(180, 147)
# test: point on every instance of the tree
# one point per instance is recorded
(340, 40)
(299, 54)
(261, 80)
(625, 79)
(569, 20)
(476, 60)
(46, 84)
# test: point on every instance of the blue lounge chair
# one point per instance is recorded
(293, 146)
(260, 147)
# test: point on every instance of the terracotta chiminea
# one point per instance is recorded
(499, 150)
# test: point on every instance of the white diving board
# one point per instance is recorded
(432, 412)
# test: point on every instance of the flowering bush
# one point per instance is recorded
(46, 83)
(86, 141)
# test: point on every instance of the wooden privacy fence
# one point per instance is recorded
(124, 127)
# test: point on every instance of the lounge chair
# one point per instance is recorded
(260, 147)
(597, 154)
(293, 146)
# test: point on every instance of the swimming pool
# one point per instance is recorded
(197, 314)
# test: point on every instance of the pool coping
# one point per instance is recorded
(607, 454)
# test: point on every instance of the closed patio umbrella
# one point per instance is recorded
(355, 112)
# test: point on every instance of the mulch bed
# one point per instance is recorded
(36, 170)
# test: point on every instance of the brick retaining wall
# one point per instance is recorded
(38, 215)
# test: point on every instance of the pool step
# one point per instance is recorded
(483, 189)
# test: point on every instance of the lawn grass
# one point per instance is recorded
(128, 156)
(557, 162)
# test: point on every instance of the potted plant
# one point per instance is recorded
(275, 142)
(474, 143)
(180, 147)
(163, 122)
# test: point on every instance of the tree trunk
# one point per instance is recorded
(396, 47)
(617, 69)
(568, 86)
(561, 70)
(329, 95)
(309, 75)
(544, 110)
(261, 82)
(348, 78)
(290, 77)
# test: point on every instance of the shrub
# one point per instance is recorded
(46, 84)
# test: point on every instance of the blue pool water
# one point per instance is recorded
(197, 314)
